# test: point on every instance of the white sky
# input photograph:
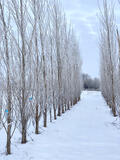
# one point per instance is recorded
(84, 17)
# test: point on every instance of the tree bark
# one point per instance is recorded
(37, 121)
(45, 117)
(24, 132)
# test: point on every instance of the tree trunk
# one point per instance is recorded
(114, 107)
(71, 103)
(54, 109)
(65, 106)
(59, 110)
(50, 115)
(45, 117)
(24, 132)
(68, 106)
(63, 111)
(37, 121)
(9, 139)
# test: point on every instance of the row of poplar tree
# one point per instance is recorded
(109, 44)
(40, 65)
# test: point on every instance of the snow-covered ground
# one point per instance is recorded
(87, 132)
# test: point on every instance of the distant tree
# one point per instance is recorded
(89, 83)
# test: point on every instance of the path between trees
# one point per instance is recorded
(87, 132)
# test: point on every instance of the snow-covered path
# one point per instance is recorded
(86, 132)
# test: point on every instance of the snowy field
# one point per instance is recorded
(87, 132)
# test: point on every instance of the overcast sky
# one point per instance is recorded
(84, 17)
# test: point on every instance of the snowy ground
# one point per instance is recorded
(86, 132)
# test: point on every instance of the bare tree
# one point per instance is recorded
(40, 65)
(108, 53)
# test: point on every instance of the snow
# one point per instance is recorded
(87, 132)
